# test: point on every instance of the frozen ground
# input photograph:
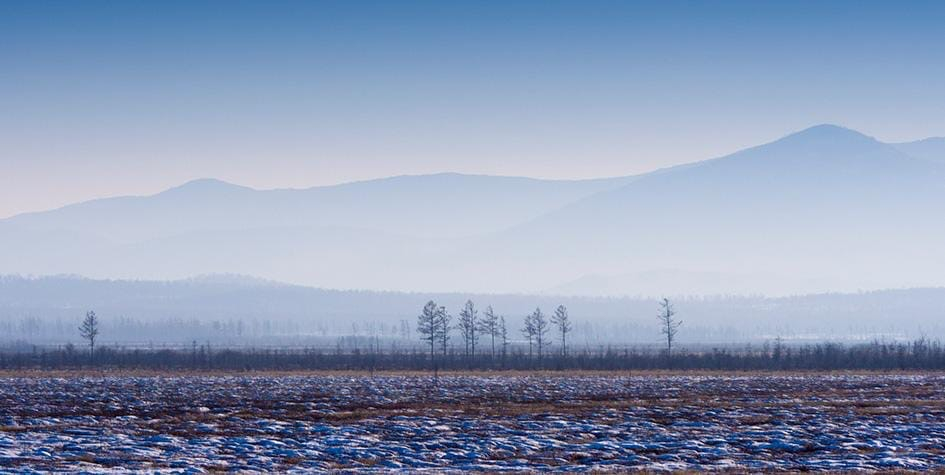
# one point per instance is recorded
(568, 423)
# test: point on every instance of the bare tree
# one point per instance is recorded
(528, 331)
(404, 329)
(89, 331)
(468, 325)
(563, 322)
(489, 325)
(541, 325)
(443, 326)
(503, 333)
(669, 325)
(428, 326)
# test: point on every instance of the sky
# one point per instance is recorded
(111, 98)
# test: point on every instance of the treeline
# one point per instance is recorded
(235, 313)
(921, 354)
(435, 326)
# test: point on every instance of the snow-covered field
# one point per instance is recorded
(568, 423)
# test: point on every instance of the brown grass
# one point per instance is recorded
(14, 429)
(111, 372)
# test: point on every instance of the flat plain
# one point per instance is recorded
(479, 422)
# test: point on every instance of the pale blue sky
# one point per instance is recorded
(105, 98)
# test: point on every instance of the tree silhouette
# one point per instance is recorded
(669, 325)
(468, 325)
(503, 333)
(443, 326)
(489, 325)
(528, 331)
(563, 322)
(541, 326)
(89, 330)
(428, 325)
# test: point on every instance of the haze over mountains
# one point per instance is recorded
(825, 209)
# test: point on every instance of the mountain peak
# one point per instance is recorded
(825, 142)
(829, 132)
(204, 185)
(830, 127)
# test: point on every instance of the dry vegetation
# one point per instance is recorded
(482, 422)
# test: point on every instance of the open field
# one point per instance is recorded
(580, 421)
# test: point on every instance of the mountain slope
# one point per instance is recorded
(930, 149)
(398, 205)
(826, 202)
(823, 209)
(362, 234)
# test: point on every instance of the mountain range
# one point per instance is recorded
(823, 209)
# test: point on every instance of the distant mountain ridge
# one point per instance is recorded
(827, 202)
(826, 208)
(931, 149)
(395, 205)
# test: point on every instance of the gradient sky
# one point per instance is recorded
(105, 98)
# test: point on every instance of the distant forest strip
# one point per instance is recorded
(47, 311)
(921, 354)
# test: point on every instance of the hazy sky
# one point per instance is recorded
(105, 98)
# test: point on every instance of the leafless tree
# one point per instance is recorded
(489, 326)
(528, 331)
(778, 350)
(541, 329)
(503, 333)
(561, 320)
(89, 331)
(669, 325)
(428, 326)
(444, 325)
(405, 329)
(468, 325)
